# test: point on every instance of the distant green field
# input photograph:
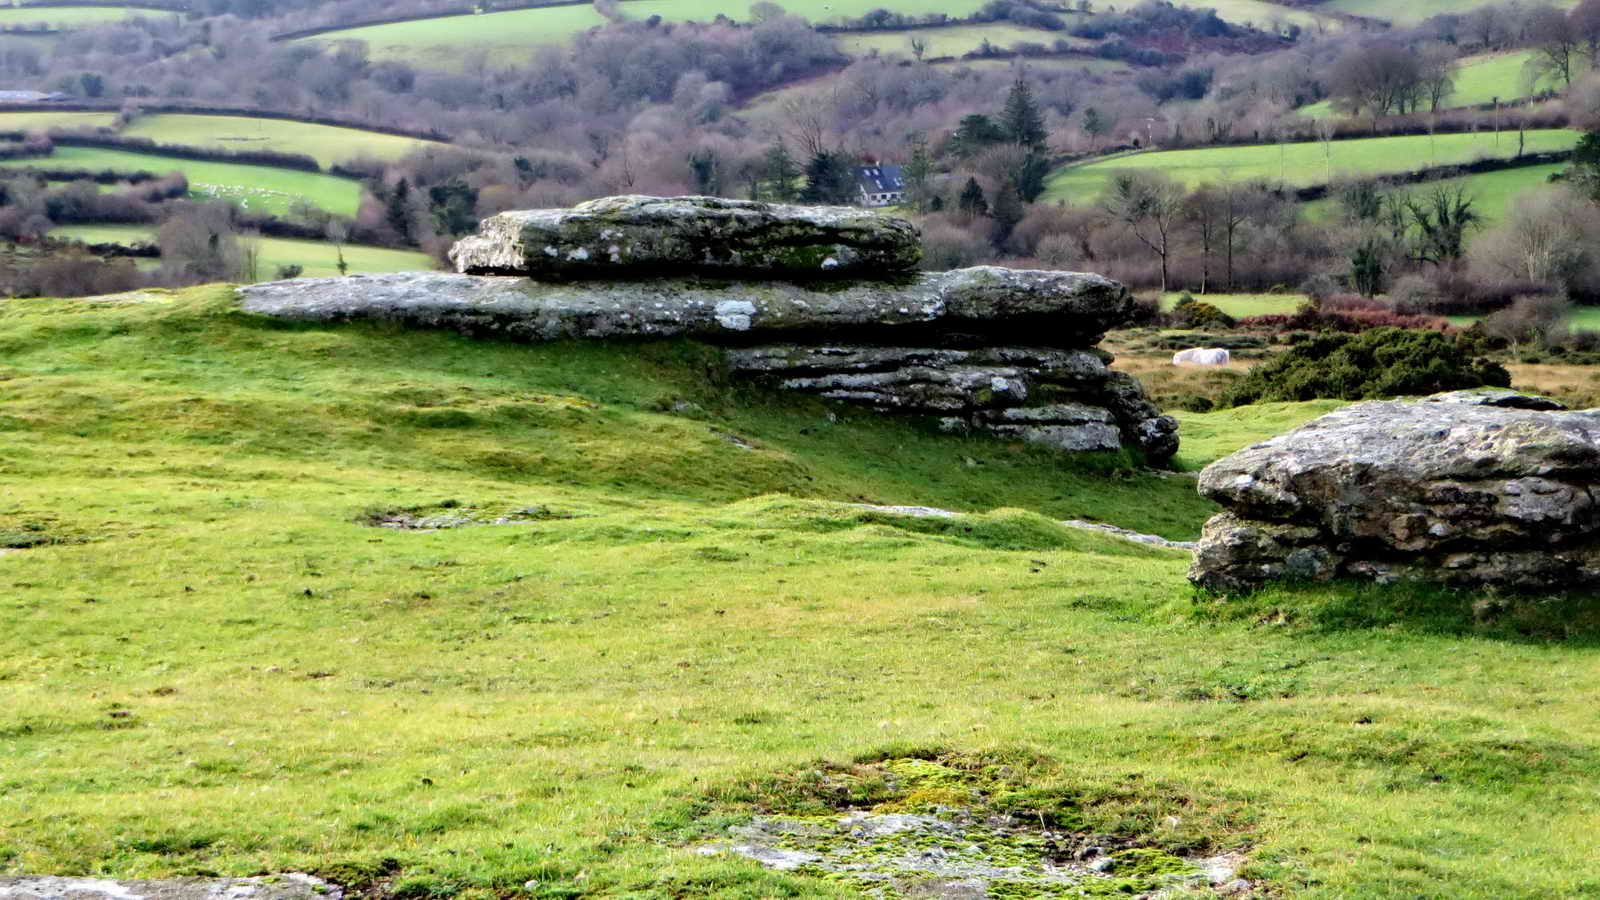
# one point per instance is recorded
(1479, 80)
(1067, 64)
(326, 143)
(257, 188)
(1264, 15)
(318, 258)
(43, 121)
(1411, 13)
(952, 41)
(505, 36)
(1241, 305)
(69, 16)
(1302, 164)
(1491, 191)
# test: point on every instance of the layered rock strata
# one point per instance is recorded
(622, 236)
(1000, 351)
(1470, 489)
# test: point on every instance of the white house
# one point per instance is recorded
(879, 185)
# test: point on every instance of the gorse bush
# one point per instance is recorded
(1383, 362)
(1191, 313)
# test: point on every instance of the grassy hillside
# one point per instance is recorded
(326, 143)
(1265, 15)
(953, 41)
(1408, 14)
(1492, 192)
(68, 16)
(1306, 163)
(506, 36)
(259, 187)
(211, 665)
(1479, 80)
(44, 121)
(316, 257)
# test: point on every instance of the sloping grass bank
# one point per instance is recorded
(212, 664)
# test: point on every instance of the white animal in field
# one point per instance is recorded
(1201, 356)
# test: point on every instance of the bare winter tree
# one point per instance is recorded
(1150, 205)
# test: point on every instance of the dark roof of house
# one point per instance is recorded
(879, 179)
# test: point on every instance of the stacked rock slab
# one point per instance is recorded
(1470, 489)
(818, 299)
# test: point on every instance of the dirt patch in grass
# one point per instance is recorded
(948, 825)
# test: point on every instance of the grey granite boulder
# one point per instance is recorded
(624, 236)
(1460, 489)
(964, 307)
(1067, 399)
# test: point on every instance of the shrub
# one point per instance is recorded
(1413, 295)
(1191, 313)
(1383, 362)
(1320, 287)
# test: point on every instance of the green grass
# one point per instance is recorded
(44, 121)
(1405, 15)
(1301, 164)
(953, 41)
(317, 258)
(325, 143)
(1241, 305)
(1264, 15)
(509, 36)
(260, 187)
(70, 16)
(1492, 191)
(210, 666)
(1479, 80)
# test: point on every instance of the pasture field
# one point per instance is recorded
(44, 121)
(317, 257)
(1479, 79)
(258, 187)
(1408, 14)
(1305, 163)
(1266, 16)
(328, 144)
(211, 663)
(1492, 192)
(1087, 64)
(70, 16)
(952, 41)
(1241, 305)
(508, 36)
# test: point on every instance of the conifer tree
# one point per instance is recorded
(778, 173)
(1021, 119)
(972, 201)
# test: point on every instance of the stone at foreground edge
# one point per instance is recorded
(1493, 491)
(965, 307)
(613, 236)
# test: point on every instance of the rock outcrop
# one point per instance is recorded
(624, 236)
(1471, 488)
(1000, 351)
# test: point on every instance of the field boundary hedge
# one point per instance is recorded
(1438, 173)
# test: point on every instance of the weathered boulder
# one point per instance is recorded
(625, 236)
(1467, 488)
(964, 307)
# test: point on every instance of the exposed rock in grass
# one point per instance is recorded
(1469, 488)
(1005, 352)
(630, 235)
(291, 886)
(922, 827)
(449, 515)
